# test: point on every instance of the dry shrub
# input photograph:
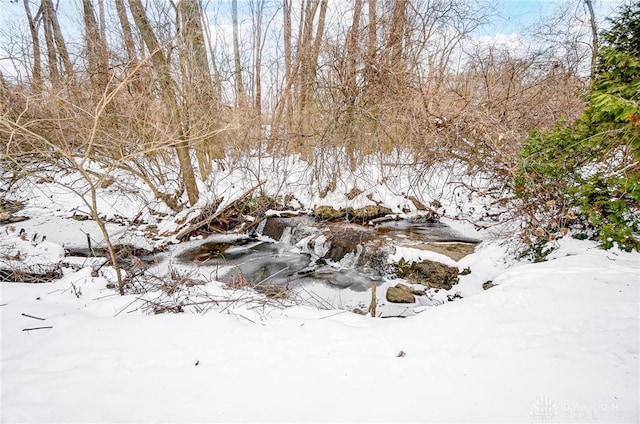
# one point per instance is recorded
(239, 281)
(177, 281)
(30, 273)
(273, 291)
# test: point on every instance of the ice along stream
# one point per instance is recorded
(329, 265)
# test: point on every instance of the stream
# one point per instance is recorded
(328, 265)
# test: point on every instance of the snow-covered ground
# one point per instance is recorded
(556, 341)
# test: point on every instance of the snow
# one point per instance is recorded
(556, 341)
(409, 254)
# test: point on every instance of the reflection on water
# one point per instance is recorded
(422, 232)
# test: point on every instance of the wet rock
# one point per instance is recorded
(413, 291)
(327, 213)
(374, 258)
(275, 226)
(488, 285)
(368, 213)
(400, 294)
(429, 273)
(345, 239)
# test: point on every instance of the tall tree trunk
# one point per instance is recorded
(60, 45)
(392, 72)
(258, 60)
(102, 25)
(166, 82)
(127, 35)
(309, 49)
(198, 92)
(52, 56)
(36, 71)
(353, 38)
(370, 61)
(396, 33)
(96, 51)
(236, 54)
(594, 39)
(317, 42)
(288, 71)
(217, 85)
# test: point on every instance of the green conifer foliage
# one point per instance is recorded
(589, 170)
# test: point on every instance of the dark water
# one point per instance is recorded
(423, 231)
(262, 262)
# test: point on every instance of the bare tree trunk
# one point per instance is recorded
(96, 51)
(351, 81)
(52, 57)
(166, 82)
(309, 50)
(236, 54)
(198, 91)
(282, 115)
(258, 59)
(60, 45)
(102, 22)
(216, 72)
(315, 53)
(352, 52)
(396, 33)
(127, 35)
(36, 75)
(371, 44)
(594, 39)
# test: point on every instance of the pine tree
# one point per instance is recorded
(586, 175)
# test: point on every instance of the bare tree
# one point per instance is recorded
(288, 64)
(162, 68)
(198, 93)
(257, 15)
(236, 54)
(55, 43)
(127, 34)
(97, 55)
(36, 72)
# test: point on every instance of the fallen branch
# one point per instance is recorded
(216, 215)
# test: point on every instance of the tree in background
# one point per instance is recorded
(586, 175)
(317, 78)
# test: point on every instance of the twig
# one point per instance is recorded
(323, 302)
(333, 315)
(272, 275)
(31, 316)
(127, 306)
(36, 328)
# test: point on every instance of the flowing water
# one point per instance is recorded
(300, 259)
